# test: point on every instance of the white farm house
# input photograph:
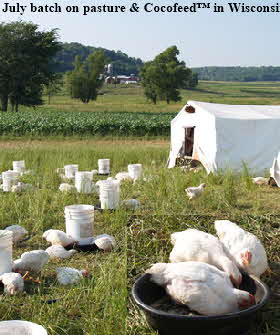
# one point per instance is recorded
(225, 136)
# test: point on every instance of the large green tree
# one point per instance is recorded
(87, 77)
(164, 76)
(54, 86)
(25, 63)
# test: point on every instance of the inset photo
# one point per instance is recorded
(207, 274)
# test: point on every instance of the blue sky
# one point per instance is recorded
(203, 38)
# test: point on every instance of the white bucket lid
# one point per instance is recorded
(17, 327)
(79, 208)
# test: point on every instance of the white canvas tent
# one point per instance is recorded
(275, 170)
(225, 136)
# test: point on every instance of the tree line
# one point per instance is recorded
(28, 69)
(238, 73)
(122, 63)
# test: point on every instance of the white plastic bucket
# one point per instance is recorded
(104, 166)
(83, 181)
(9, 178)
(19, 166)
(6, 251)
(116, 184)
(135, 170)
(18, 327)
(79, 221)
(70, 170)
(109, 194)
(81, 231)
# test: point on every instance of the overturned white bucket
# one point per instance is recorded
(135, 170)
(104, 166)
(19, 166)
(9, 179)
(83, 181)
(109, 194)
(6, 251)
(70, 170)
(79, 221)
(17, 327)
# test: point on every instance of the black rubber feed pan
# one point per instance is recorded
(91, 247)
(145, 293)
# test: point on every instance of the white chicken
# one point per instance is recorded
(27, 172)
(123, 176)
(58, 237)
(131, 203)
(16, 189)
(18, 232)
(13, 283)
(94, 172)
(105, 242)
(196, 245)
(57, 251)
(260, 180)
(67, 276)
(64, 187)
(194, 192)
(20, 187)
(19, 327)
(244, 247)
(202, 287)
(32, 261)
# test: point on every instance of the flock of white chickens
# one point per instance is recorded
(205, 271)
(32, 262)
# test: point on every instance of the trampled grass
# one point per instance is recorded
(98, 305)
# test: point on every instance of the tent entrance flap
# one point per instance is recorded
(189, 140)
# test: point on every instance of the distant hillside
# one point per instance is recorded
(238, 73)
(123, 64)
